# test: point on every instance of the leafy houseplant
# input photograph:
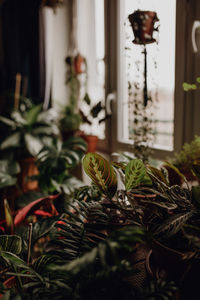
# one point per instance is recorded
(84, 252)
(184, 160)
(55, 163)
(28, 132)
(71, 119)
(90, 114)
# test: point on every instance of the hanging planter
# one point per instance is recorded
(142, 23)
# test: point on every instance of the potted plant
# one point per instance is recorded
(91, 114)
(184, 160)
(28, 131)
(55, 164)
(77, 260)
(70, 119)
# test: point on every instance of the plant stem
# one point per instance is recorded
(29, 242)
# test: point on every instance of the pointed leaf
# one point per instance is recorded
(101, 172)
(12, 141)
(32, 114)
(135, 174)
(22, 213)
(33, 144)
(8, 216)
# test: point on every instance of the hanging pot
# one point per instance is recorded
(142, 23)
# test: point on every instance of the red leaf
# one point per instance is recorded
(22, 213)
(43, 213)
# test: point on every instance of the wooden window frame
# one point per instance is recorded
(186, 106)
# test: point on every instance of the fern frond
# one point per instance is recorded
(174, 223)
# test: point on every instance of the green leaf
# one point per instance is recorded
(9, 167)
(8, 216)
(14, 259)
(12, 141)
(6, 180)
(101, 173)
(7, 121)
(11, 243)
(32, 114)
(135, 174)
(198, 79)
(33, 144)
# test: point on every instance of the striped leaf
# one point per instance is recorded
(101, 173)
(11, 243)
(135, 174)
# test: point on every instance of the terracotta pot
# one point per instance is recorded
(91, 141)
(142, 23)
(28, 168)
(78, 64)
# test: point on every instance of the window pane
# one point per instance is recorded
(160, 71)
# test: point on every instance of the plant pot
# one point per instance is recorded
(28, 169)
(91, 141)
(78, 64)
(142, 23)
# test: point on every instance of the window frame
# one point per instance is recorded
(186, 105)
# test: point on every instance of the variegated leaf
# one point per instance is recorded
(101, 173)
(135, 174)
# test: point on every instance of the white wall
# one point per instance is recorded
(61, 43)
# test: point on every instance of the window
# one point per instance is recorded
(160, 72)
(177, 118)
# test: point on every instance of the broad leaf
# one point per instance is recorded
(135, 174)
(32, 114)
(33, 144)
(9, 167)
(12, 141)
(6, 180)
(11, 243)
(7, 121)
(22, 213)
(101, 173)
